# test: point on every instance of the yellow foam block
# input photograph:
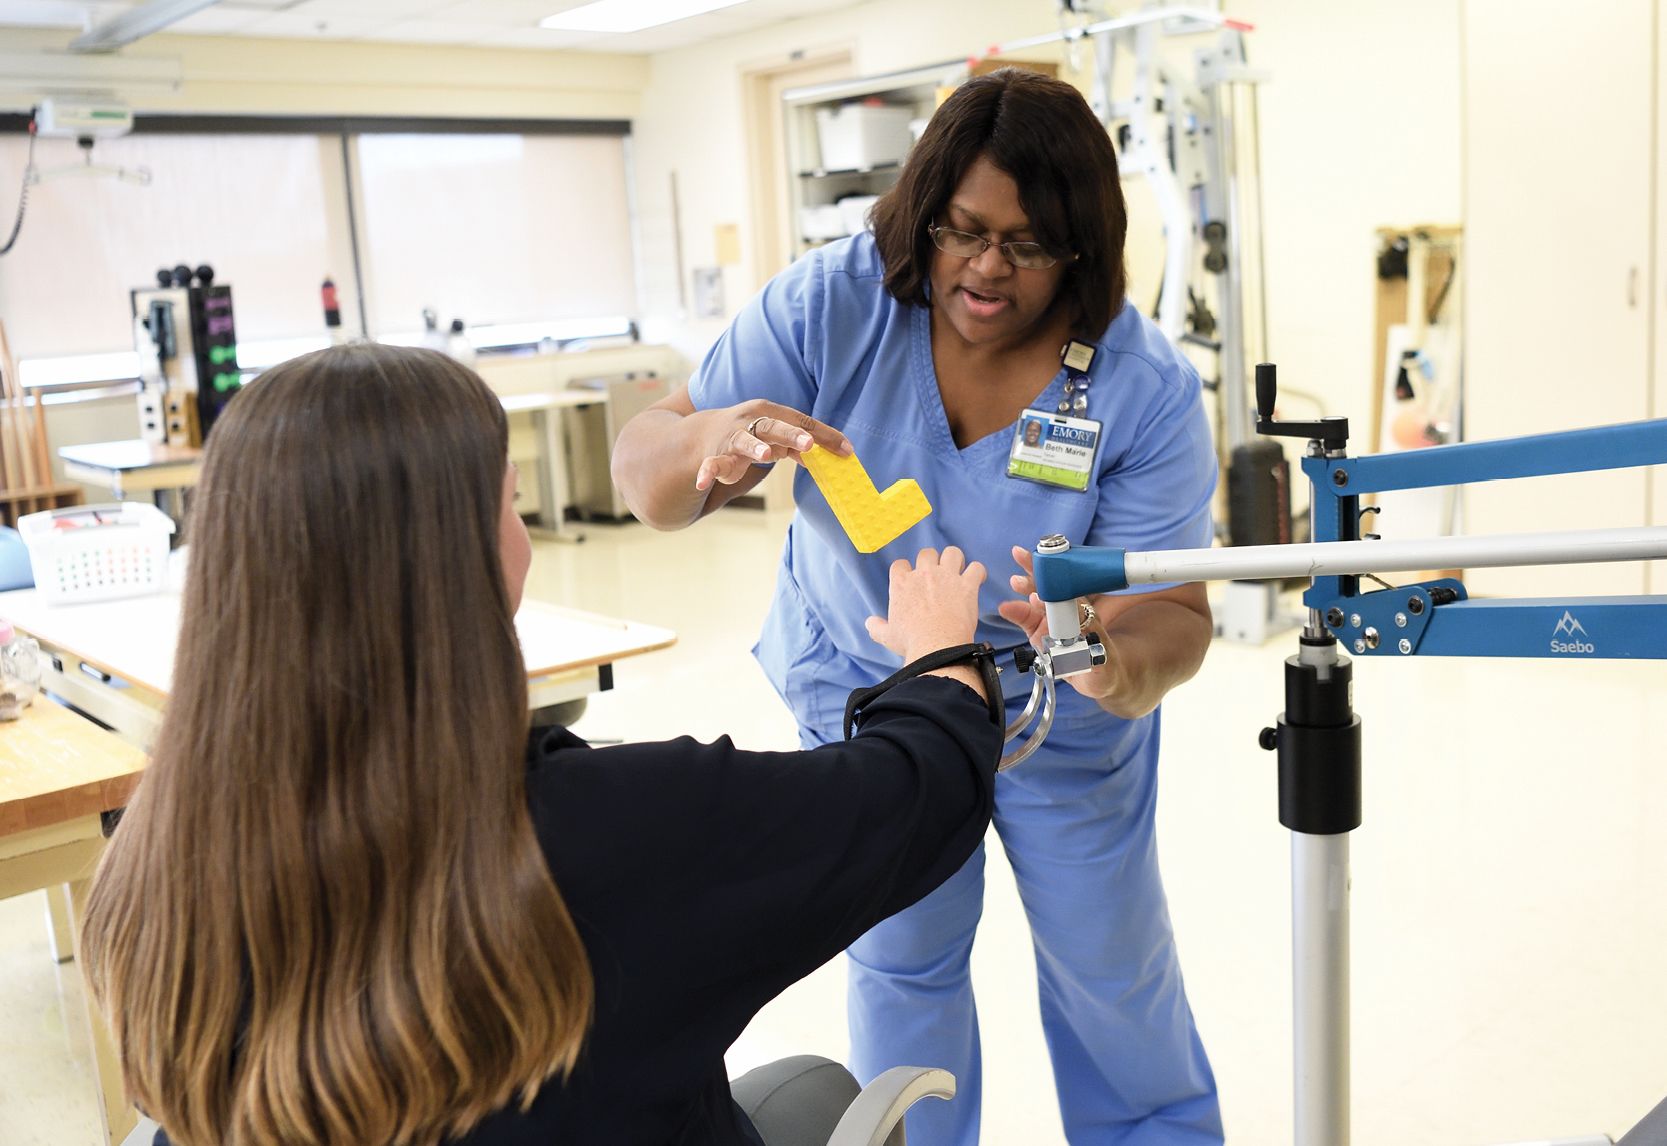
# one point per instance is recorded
(871, 519)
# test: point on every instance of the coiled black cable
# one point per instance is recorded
(23, 194)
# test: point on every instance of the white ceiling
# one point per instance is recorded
(483, 23)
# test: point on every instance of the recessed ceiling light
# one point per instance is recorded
(629, 15)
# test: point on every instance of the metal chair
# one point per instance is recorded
(812, 1101)
(787, 1114)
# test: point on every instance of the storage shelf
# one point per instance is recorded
(16, 503)
(878, 167)
(857, 157)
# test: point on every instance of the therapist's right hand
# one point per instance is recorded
(934, 604)
(758, 433)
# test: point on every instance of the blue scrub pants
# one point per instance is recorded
(1078, 830)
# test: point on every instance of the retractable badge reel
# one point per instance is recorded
(1078, 359)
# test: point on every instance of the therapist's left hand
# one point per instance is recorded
(1032, 616)
(1153, 640)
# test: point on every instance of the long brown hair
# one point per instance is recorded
(1042, 133)
(326, 917)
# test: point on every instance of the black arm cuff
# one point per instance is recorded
(980, 654)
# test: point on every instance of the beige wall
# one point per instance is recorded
(1360, 129)
(228, 75)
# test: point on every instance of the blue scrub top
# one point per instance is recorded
(824, 337)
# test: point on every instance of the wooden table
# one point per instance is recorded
(114, 660)
(133, 466)
(546, 407)
(59, 774)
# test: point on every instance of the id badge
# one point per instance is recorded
(1054, 449)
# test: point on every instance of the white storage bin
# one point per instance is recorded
(853, 212)
(824, 222)
(98, 552)
(857, 136)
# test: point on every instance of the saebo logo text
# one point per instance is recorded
(1571, 628)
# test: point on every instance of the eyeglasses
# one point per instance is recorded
(1025, 256)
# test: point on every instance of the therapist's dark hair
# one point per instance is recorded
(1041, 132)
(326, 917)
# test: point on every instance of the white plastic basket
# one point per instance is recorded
(98, 552)
(856, 137)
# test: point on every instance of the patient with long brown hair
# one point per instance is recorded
(356, 900)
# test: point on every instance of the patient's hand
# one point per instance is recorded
(934, 604)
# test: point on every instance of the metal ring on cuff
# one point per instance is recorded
(1041, 695)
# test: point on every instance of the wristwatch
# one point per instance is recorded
(980, 654)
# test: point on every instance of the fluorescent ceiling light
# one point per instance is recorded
(629, 15)
(136, 23)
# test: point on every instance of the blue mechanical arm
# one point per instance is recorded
(1434, 618)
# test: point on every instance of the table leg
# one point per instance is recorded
(119, 1116)
(554, 492)
(58, 921)
(175, 507)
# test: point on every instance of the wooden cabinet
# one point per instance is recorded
(1558, 235)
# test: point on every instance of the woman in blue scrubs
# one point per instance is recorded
(930, 347)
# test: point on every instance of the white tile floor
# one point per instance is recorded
(1510, 880)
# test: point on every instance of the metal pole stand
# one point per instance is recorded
(1318, 740)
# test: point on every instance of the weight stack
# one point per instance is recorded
(1259, 495)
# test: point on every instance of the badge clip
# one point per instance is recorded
(1077, 357)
